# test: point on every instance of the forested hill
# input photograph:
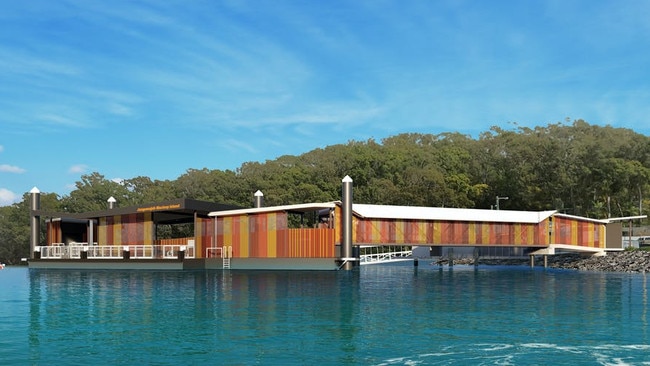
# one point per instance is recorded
(576, 168)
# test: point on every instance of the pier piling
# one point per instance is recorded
(35, 221)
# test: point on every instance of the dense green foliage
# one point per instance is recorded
(576, 168)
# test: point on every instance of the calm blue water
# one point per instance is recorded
(378, 315)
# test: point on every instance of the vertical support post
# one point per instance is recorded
(545, 261)
(214, 239)
(346, 222)
(259, 199)
(35, 220)
(532, 261)
(451, 257)
(198, 244)
(629, 234)
(91, 231)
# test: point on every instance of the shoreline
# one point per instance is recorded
(635, 261)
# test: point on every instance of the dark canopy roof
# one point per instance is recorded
(173, 211)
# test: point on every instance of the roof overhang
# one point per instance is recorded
(72, 220)
(299, 208)
(449, 214)
(627, 218)
(573, 217)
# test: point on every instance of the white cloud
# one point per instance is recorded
(7, 197)
(2, 148)
(78, 169)
(238, 145)
(5, 168)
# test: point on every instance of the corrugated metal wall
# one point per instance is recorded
(132, 229)
(204, 231)
(54, 234)
(387, 231)
(577, 232)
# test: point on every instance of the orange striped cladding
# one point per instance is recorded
(437, 232)
(117, 231)
(272, 235)
(53, 233)
(204, 231)
(148, 228)
(471, 233)
(102, 230)
(311, 243)
(243, 236)
(338, 225)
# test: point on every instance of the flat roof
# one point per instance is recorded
(582, 218)
(370, 211)
(449, 214)
(181, 209)
(298, 208)
(626, 218)
(405, 212)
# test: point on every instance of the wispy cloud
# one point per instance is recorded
(237, 146)
(2, 148)
(78, 169)
(5, 168)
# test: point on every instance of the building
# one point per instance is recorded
(310, 236)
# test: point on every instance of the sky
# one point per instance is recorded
(154, 88)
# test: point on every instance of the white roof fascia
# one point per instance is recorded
(449, 214)
(582, 218)
(627, 218)
(299, 207)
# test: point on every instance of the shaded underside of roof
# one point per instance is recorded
(181, 209)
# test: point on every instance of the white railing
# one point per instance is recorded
(219, 252)
(376, 258)
(214, 252)
(74, 251)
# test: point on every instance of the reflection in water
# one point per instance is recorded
(367, 316)
(235, 315)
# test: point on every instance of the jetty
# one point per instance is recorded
(307, 236)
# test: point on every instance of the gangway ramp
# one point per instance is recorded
(386, 257)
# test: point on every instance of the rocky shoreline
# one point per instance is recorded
(635, 261)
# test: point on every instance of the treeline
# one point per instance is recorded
(576, 168)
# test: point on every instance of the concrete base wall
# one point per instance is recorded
(307, 264)
(106, 264)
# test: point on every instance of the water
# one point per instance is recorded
(378, 315)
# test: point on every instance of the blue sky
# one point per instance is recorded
(153, 88)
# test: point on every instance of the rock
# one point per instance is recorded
(626, 261)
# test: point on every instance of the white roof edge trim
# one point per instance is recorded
(253, 210)
(627, 218)
(582, 218)
(449, 214)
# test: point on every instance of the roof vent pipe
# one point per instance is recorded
(111, 202)
(259, 199)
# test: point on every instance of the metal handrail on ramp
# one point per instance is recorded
(378, 258)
